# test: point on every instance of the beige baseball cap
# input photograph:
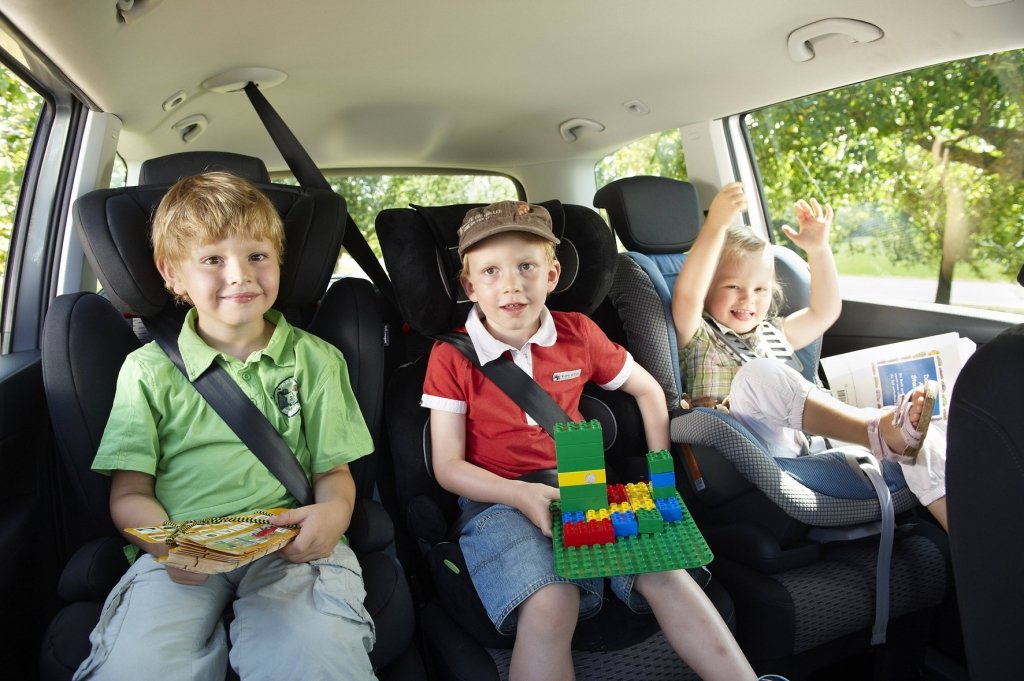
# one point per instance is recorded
(505, 216)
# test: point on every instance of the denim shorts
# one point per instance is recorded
(509, 559)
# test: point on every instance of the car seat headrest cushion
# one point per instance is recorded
(652, 215)
(420, 251)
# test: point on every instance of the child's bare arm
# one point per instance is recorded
(804, 326)
(698, 269)
(455, 474)
(133, 504)
(323, 522)
(651, 399)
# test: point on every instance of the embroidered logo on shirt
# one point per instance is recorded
(287, 395)
(566, 375)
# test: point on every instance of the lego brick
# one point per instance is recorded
(585, 477)
(663, 492)
(624, 524)
(660, 462)
(649, 521)
(663, 479)
(584, 497)
(670, 509)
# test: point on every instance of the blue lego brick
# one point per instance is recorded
(624, 524)
(670, 509)
(663, 479)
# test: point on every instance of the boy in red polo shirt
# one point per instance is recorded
(482, 442)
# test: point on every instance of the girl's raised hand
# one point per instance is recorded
(726, 205)
(815, 225)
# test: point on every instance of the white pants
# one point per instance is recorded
(768, 398)
(291, 621)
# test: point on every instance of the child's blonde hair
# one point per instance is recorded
(549, 251)
(741, 241)
(209, 207)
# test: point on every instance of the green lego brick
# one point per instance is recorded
(649, 521)
(583, 434)
(584, 497)
(663, 492)
(660, 462)
(679, 545)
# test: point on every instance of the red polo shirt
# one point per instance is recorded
(498, 436)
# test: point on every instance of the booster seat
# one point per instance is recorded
(86, 339)
(767, 519)
(419, 247)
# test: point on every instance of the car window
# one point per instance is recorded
(659, 154)
(925, 170)
(367, 195)
(21, 108)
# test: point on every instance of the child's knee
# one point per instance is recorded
(554, 605)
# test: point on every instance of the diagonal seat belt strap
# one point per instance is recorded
(243, 417)
(308, 175)
(515, 383)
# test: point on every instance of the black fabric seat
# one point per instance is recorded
(985, 487)
(419, 250)
(784, 531)
(86, 339)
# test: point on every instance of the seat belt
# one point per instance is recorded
(243, 417)
(308, 175)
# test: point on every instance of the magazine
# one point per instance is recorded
(876, 377)
(218, 544)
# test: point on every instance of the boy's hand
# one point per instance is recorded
(535, 503)
(321, 527)
(179, 576)
(815, 224)
(726, 205)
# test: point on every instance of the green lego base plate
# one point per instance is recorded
(680, 545)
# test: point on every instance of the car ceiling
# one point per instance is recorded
(474, 83)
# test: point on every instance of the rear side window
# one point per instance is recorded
(659, 154)
(926, 172)
(21, 108)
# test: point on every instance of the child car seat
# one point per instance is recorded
(765, 518)
(419, 247)
(86, 338)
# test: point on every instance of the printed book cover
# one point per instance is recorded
(876, 377)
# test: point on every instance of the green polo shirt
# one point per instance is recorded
(160, 425)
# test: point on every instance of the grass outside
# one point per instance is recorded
(874, 265)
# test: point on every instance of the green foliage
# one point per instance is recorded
(929, 163)
(367, 195)
(20, 107)
(659, 154)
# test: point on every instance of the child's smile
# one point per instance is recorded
(741, 292)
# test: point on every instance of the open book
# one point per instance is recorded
(218, 544)
(876, 377)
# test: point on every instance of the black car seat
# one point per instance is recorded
(419, 247)
(86, 338)
(784, 531)
(985, 492)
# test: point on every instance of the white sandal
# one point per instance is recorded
(914, 437)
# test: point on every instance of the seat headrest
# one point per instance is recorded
(419, 245)
(652, 215)
(171, 168)
(114, 228)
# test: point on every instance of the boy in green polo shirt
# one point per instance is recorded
(298, 613)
